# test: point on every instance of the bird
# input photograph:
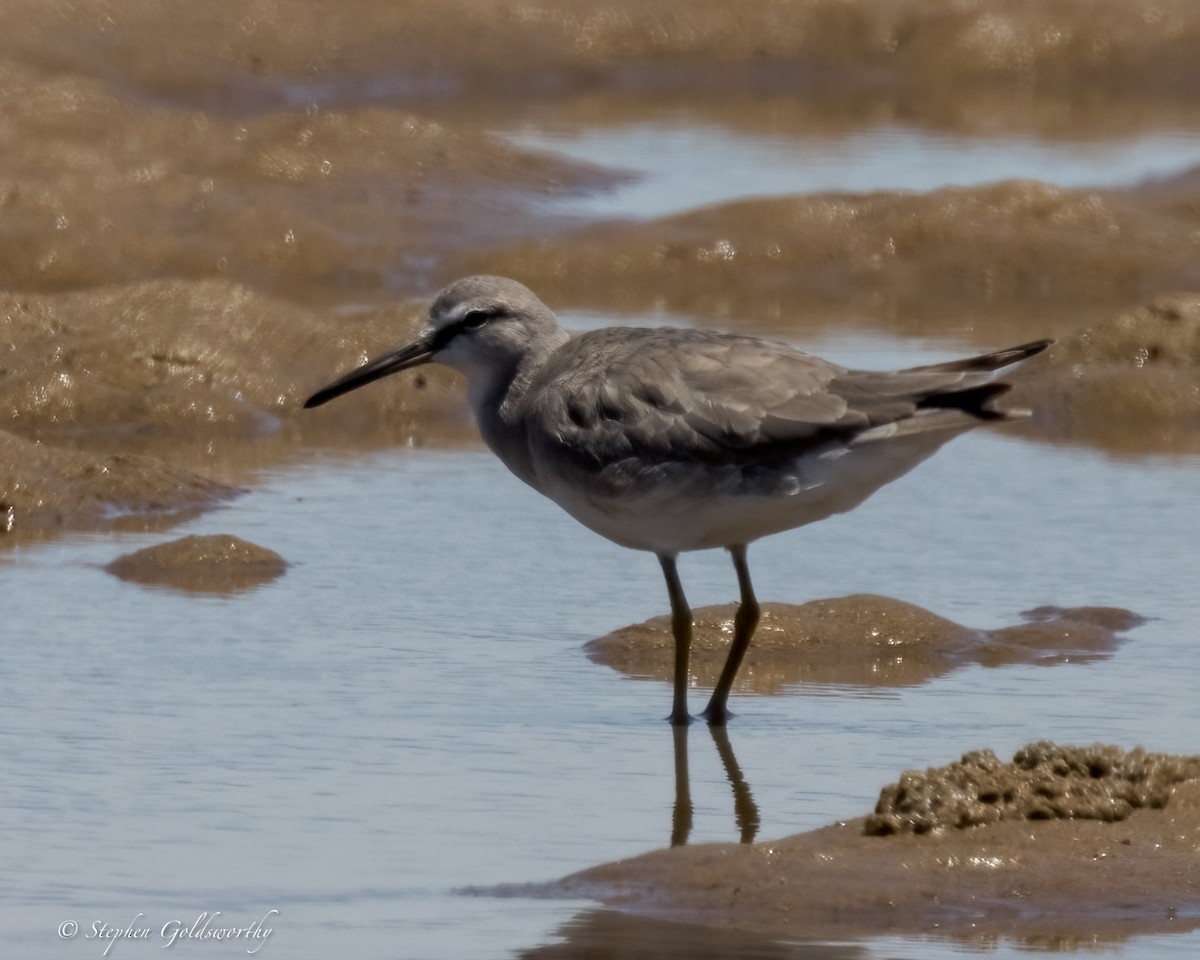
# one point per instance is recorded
(671, 440)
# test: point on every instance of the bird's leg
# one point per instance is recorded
(681, 627)
(744, 623)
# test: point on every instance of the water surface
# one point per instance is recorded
(408, 711)
(677, 167)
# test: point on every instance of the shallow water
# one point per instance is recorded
(408, 711)
(678, 167)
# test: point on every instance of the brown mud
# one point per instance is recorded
(1129, 384)
(1043, 782)
(861, 641)
(1105, 60)
(217, 563)
(1010, 259)
(1063, 881)
(46, 489)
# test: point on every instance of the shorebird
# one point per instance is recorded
(671, 440)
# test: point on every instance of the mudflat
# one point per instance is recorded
(207, 211)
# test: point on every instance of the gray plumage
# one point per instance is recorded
(670, 440)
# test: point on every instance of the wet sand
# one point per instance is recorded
(207, 215)
(1072, 51)
(1023, 255)
(1066, 881)
(859, 641)
(45, 490)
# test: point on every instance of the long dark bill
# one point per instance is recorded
(405, 358)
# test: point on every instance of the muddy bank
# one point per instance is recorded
(346, 202)
(1130, 384)
(1007, 260)
(323, 206)
(931, 59)
(217, 563)
(144, 404)
(859, 640)
(46, 489)
(1067, 880)
(201, 361)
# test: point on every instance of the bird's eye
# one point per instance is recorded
(476, 319)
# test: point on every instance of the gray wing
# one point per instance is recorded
(680, 396)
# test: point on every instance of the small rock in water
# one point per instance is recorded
(219, 563)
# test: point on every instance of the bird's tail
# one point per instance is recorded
(976, 399)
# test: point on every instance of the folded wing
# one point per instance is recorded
(694, 396)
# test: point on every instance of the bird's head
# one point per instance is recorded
(484, 327)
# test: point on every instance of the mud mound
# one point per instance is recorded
(860, 640)
(219, 563)
(1043, 782)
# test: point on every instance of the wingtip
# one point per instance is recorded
(1037, 346)
(1024, 351)
(988, 361)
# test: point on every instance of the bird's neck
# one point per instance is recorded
(525, 370)
(496, 398)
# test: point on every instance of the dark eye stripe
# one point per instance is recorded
(472, 321)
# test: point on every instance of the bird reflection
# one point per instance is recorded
(603, 934)
(681, 814)
(745, 810)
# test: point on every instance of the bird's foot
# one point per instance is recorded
(680, 718)
(717, 716)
